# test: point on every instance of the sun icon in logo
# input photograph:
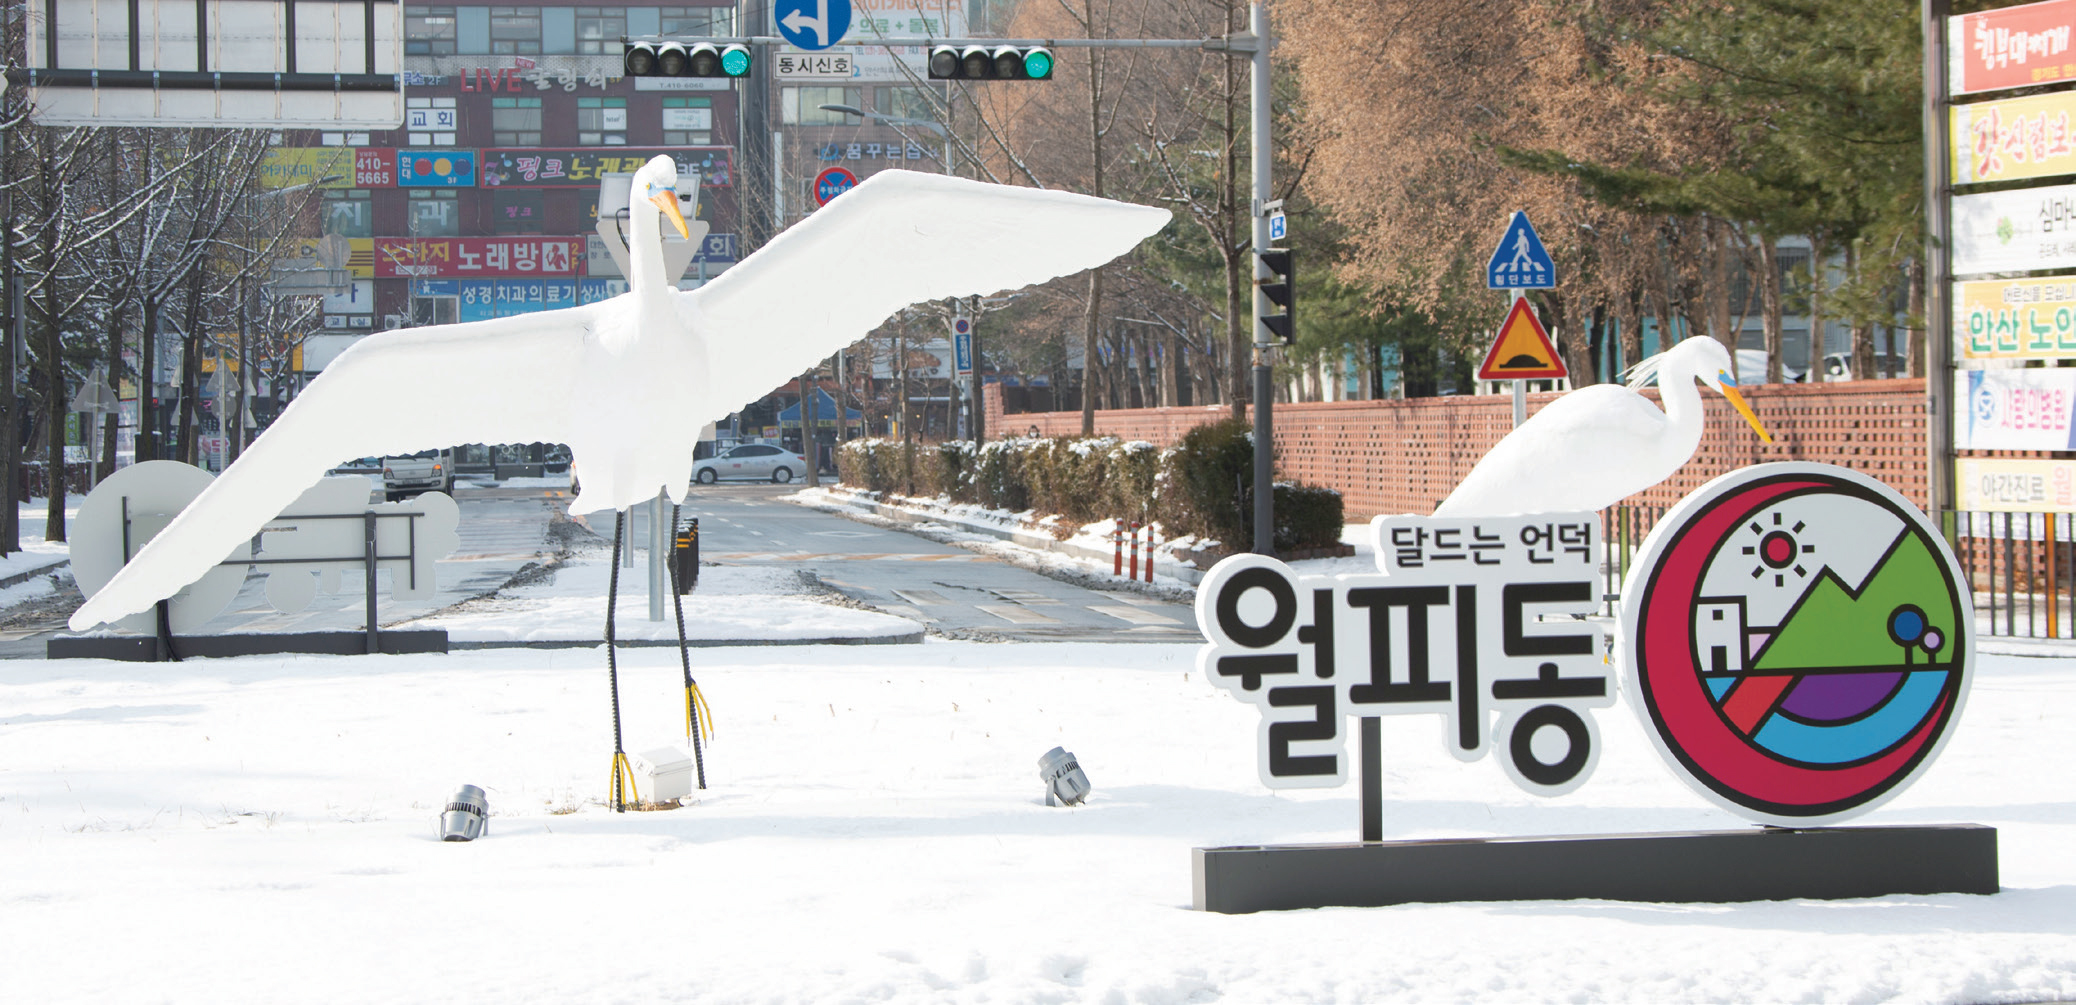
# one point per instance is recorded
(1779, 551)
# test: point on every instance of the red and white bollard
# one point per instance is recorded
(1149, 552)
(1135, 551)
(1117, 547)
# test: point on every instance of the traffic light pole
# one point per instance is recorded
(1264, 391)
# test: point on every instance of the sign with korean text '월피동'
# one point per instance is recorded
(2032, 137)
(2015, 318)
(1470, 618)
(2011, 47)
(2015, 231)
(467, 257)
(2014, 409)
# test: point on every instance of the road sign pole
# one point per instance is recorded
(1520, 386)
(1938, 272)
(1264, 427)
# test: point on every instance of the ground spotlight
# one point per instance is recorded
(1065, 785)
(465, 816)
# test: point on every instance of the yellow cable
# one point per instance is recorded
(624, 772)
(706, 714)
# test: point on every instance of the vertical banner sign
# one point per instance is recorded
(1469, 619)
(1797, 642)
(2014, 409)
(2014, 138)
(2016, 230)
(2015, 318)
(2011, 47)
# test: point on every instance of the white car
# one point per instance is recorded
(756, 461)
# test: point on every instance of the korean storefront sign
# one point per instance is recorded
(2014, 409)
(581, 168)
(2014, 138)
(484, 299)
(2011, 47)
(2014, 231)
(2021, 484)
(477, 256)
(2015, 318)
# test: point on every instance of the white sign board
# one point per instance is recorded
(2018, 230)
(320, 350)
(359, 298)
(1452, 626)
(304, 546)
(793, 64)
(326, 64)
(688, 118)
(2014, 409)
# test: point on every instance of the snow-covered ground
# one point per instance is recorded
(263, 829)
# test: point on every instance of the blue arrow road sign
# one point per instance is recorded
(1520, 263)
(812, 24)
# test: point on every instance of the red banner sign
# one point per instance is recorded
(469, 257)
(373, 168)
(2011, 47)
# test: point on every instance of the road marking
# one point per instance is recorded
(1138, 601)
(1024, 596)
(1135, 615)
(1017, 614)
(921, 596)
(906, 611)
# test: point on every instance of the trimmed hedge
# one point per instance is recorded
(1200, 487)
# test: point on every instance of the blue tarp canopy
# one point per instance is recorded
(825, 412)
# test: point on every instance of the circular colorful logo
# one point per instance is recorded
(1797, 642)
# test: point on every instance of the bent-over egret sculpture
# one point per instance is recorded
(1602, 443)
(628, 382)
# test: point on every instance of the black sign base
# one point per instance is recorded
(145, 648)
(1826, 863)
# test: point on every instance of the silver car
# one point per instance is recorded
(757, 461)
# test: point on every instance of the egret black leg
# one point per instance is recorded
(693, 699)
(623, 774)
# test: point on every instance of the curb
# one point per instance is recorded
(911, 638)
(1019, 537)
(24, 576)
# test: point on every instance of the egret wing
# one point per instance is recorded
(899, 238)
(398, 392)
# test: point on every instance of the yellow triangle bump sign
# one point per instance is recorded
(1522, 351)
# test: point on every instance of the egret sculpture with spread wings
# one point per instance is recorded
(628, 382)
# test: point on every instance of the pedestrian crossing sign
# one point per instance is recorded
(1520, 263)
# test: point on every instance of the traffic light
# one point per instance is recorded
(676, 59)
(981, 62)
(1278, 289)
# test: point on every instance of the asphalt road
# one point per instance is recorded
(947, 588)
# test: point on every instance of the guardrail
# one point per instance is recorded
(2020, 567)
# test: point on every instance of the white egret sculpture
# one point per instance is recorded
(628, 382)
(1603, 443)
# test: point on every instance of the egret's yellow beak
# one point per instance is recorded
(1728, 385)
(667, 202)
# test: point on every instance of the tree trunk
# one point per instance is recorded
(53, 390)
(1863, 330)
(1632, 332)
(1816, 314)
(1717, 238)
(1769, 306)
(1920, 328)
(148, 383)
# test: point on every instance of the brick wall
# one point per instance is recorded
(1406, 456)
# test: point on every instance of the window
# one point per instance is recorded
(688, 122)
(428, 31)
(515, 30)
(698, 20)
(435, 214)
(905, 103)
(801, 106)
(599, 30)
(518, 210)
(515, 122)
(349, 213)
(602, 122)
